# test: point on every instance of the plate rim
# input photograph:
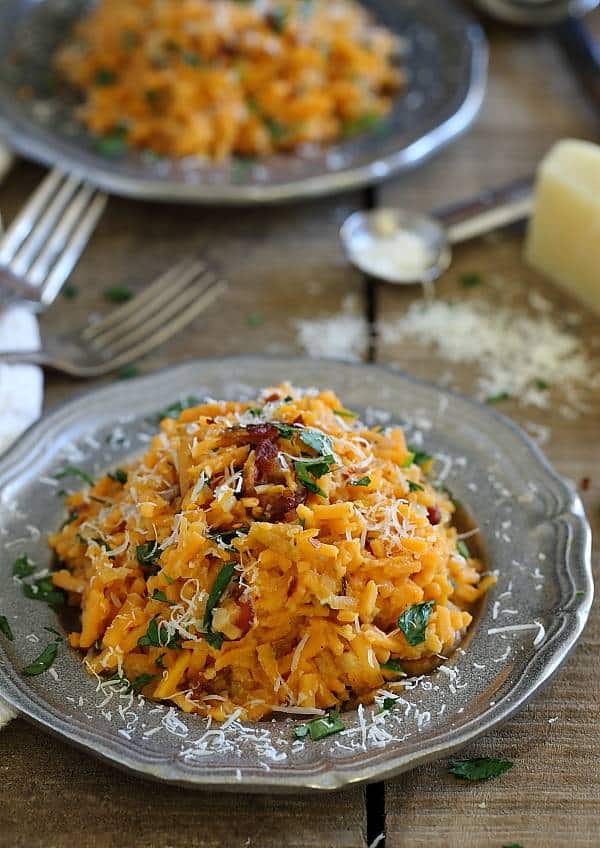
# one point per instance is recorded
(344, 180)
(319, 776)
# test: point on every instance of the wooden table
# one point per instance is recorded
(284, 264)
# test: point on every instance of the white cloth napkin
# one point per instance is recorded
(21, 386)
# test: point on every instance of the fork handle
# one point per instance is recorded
(24, 357)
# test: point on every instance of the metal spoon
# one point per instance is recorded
(419, 247)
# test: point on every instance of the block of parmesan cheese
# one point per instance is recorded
(563, 238)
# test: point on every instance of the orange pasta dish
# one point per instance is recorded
(215, 78)
(268, 556)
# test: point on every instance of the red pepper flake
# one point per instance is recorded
(434, 514)
(585, 483)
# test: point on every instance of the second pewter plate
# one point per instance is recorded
(533, 531)
(446, 62)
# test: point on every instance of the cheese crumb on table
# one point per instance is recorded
(563, 239)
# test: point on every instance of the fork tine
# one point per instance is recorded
(170, 329)
(29, 250)
(154, 320)
(155, 296)
(49, 252)
(75, 246)
(22, 225)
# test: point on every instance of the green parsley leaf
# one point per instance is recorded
(118, 294)
(414, 487)
(362, 481)
(388, 704)
(277, 19)
(58, 636)
(224, 540)
(413, 622)
(5, 628)
(221, 582)
(71, 517)
(345, 413)
(394, 666)
(255, 319)
(309, 470)
(420, 457)
(73, 471)
(118, 475)
(364, 123)
(479, 768)
(147, 556)
(158, 662)
(70, 291)
(497, 398)
(43, 662)
(104, 76)
(463, 549)
(317, 441)
(541, 384)
(513, 845)
(191, 59)
(114, 143)
(174, 410)
(215, 640)
(277, 131)
(286, 431)
(151, 639)
(255, 411)
(127, 372)
(22, 566)
(320, 727)
(44, 590)
(470, 280)
(157, 595)
(140, 681)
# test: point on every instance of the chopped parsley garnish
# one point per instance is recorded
(497, 398)
(71, 517)
(317, 441)
(277, 19)
(479, 768)
(224, 540)
(118, 294)
(22, 566)
(321, 727)
(413, 622)
(408, 461)
(73, 471)
(44, 590)
(420, 457)
(541, 384)
(140, 681)
(221, 582)
(113, 143)
(388, 704)
(118, 475)
(255, 319)
(55, 633)
(364, 123)
(70, 291)
(151, 638)
(43, 662)
(345, 413)
(463, 549)
(157, 595)
(362, 481)
(286, 431)
(147, 556)
(127, 372)
(393, 666)
(158, 662)
(255, 411)
(174, 410)
(309, 470)
(470, 280)
(277, 131)
(104, 76)
(5, 628)
(414, 487)
(191, 59)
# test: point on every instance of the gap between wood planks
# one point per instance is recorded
(374, 792)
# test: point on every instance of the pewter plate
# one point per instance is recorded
(533, 533)
(446, 60)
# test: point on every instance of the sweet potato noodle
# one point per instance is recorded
(266, 555)
(214, 78)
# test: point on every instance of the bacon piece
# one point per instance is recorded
(434, 514)
(281, 505)
(253, 434)
(245, 617)
(268, 468)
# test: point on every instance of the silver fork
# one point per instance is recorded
(44, 242)
(134, 329)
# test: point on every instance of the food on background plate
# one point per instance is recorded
(563, 239)
(216, 78)
(268, 556)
